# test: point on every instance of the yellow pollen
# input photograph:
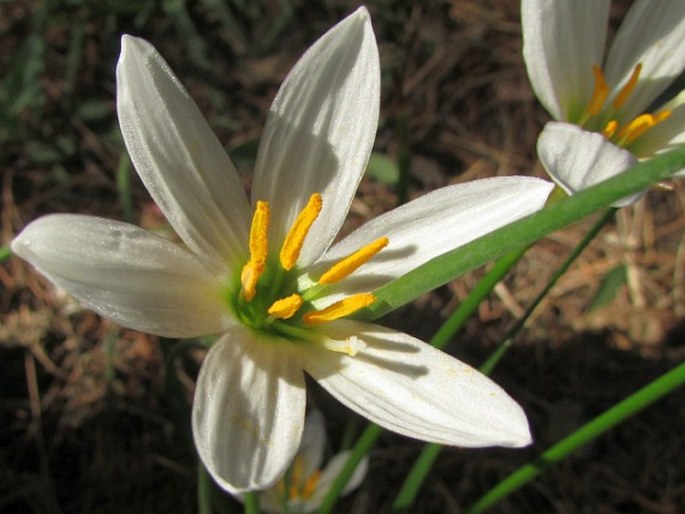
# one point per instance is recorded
(299, 230)
(623, 95)
(600, 92)
(352, 262)
(640, 125)
(286, 307)
(339, 309)
(610, 129)
(259, 248)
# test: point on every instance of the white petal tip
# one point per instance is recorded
(521, 438)
(362, 13)
(128, 42)
(24, 244)
(133, 48)
(18, 245)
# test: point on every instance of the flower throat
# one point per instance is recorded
(268, 292)
(600, 117)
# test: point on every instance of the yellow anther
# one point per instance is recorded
(301, 489)
(625, 91)
(259, 249)
(286, 307)
(639, 126)
(295, 238)
(599, 93)
(352, 262)
(310, 485)
(610, 129)
(339, 309)
(296, 474)
(249, 277)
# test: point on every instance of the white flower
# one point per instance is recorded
(601, 105)
(305, 484)
(266, 276)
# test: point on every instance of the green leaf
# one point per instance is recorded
(383, 168)
(609, 287)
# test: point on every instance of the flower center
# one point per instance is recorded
(269, 297)
(603, 117)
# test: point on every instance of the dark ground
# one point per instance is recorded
(89, 422)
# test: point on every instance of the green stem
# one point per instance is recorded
(204, 490)
(403, 160)
(417, 475)
(251, 503)
(602, 423)
(479, 293)
(124, 188)
(361, 448)
(522, 233)
(415, 478)
(494, 359)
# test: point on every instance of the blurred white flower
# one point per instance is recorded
(306, 483)
(605, 108)
(268, 277)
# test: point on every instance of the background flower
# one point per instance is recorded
(307, 481)
(563, 48)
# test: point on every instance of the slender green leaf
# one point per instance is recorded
(361, 448)
(644, 397)
(524, 232)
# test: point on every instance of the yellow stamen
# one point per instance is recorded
(286, 307)
(600, 92)
(259, 248)
(296, 474)
(640, 125)
(610, 129)
(352, 262)
(623, 95)
(295, 238)
(339, 309)
(310, 485)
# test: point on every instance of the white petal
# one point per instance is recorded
(126, 274)
(577, 159)
(248, 413)
(178, 157)
(409, 387)
(313, 443)
(561, 42)
(320, 132)
(652, 33)
(431, 225)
